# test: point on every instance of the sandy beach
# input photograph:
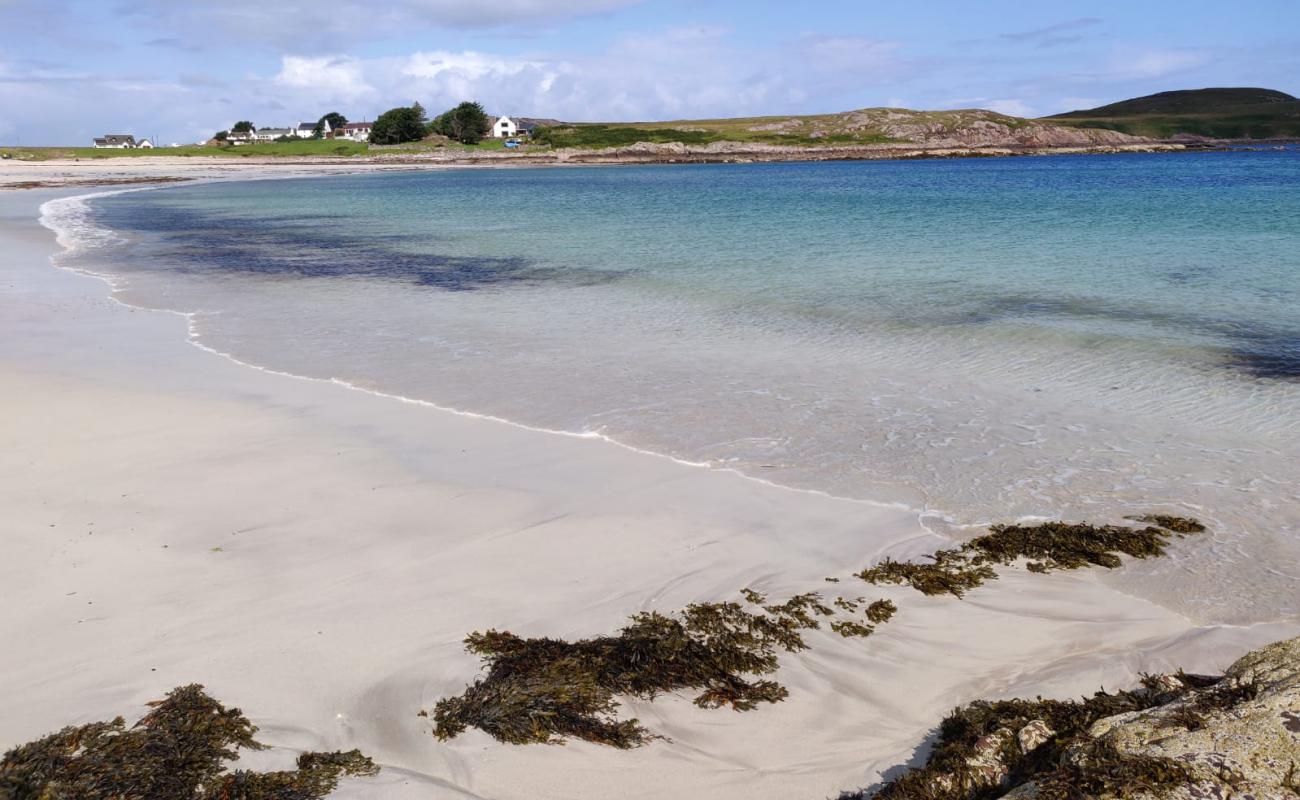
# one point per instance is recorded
(315, 555)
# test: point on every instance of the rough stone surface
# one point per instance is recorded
(1033, 735)
(1249, 750)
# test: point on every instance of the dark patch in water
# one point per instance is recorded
(1265, 355)
(181, 240)
(1250, 347)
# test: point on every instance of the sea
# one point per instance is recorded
(1079, 337)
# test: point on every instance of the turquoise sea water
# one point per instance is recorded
(1075, 336)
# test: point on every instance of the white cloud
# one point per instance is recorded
(338, 78)
(1158, 63)
(1016, 108)
(335, 22)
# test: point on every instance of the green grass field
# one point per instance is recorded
(792, 131)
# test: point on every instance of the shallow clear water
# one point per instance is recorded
(1078, 337)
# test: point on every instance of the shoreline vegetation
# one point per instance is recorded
(1166, 122)
(883, 133)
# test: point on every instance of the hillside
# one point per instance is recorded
(1220, 113)
(871, 126)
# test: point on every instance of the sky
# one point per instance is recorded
(180, 70)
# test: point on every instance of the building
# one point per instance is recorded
(505, 128)
(271, 134)
(354, 131)
(144, 144)
(307, 130)
(241, 137)
(116, 141)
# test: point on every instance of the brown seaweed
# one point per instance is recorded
(177, 751)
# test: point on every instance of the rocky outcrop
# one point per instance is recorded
(1240, 738)
(1179, 737)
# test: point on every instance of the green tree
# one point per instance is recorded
(398, 125)
(441, 124)
(243, 126)
(468, 122)
(221, 136)
(335, 120)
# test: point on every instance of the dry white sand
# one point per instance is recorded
(314, 555)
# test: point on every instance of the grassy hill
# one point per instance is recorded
(1246, 113)
(868, 126)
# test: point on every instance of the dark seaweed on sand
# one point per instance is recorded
(1068, 765)
(547, 690)
(1048, 546)
(175, 752)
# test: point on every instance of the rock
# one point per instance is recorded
(1034, 735)
(1246, 743)
(987, 765)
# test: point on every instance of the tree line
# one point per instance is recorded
(467, 123)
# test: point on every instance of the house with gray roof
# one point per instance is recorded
(115, 141)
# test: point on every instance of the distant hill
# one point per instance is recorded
(869, 126)
(1220, 113)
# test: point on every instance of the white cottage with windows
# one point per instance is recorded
(505, 128)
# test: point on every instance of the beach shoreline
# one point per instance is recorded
(314, 554)
(51, 173)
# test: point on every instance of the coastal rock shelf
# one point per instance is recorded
(1177, 737)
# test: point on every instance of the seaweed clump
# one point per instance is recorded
(543, 691)
(175, 752)
(949, 572)
(1048, 546)
(986, 749)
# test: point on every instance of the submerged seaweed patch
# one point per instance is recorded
(301, 246)
(1048, 546)
(177, 751)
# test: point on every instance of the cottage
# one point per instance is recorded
(354, 131)
(115, 141)
(505, 128)
(144, 144)
(307, 130)
(271, 134)
(241, 137)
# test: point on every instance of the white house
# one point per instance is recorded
(271, 134)
(144, 144)
(307, 130)
(116, 141)
(505, 128)
(354, 131)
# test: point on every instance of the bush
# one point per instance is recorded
(466, 123)
(398, 125)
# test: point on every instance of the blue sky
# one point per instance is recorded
(182, 69)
